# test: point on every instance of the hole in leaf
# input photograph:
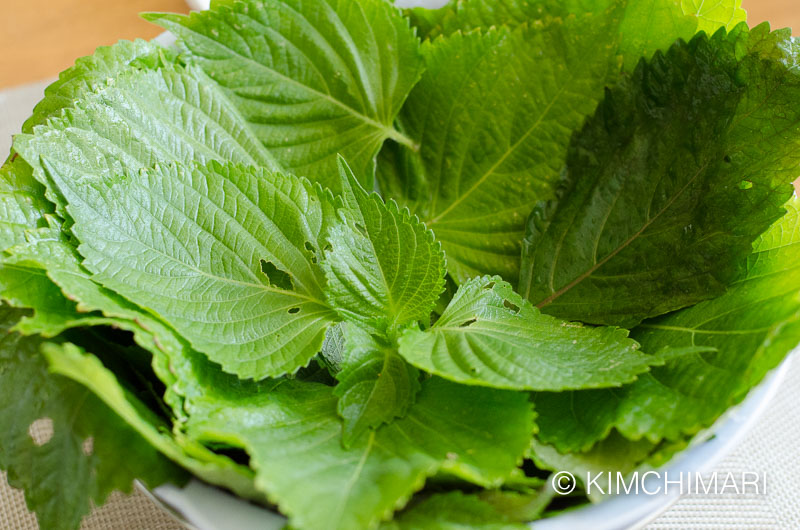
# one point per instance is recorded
(88, 446)
(277, 277)
(745, 185)
(328, 247)
(511, 306)
(727, 159)
(309, 247)
(41, 431)
(294, 310)
(489, 286)
(468, 322)
(361, 229)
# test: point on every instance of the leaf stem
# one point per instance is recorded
(401, 138)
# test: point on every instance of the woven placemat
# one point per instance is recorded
(121, 512)
(770, 447)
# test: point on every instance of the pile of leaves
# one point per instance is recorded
(374, 267)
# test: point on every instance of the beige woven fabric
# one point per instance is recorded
(772, 446)
(121, 512)
(13, 513)
(15, 107)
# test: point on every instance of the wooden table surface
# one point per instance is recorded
(39, 38)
